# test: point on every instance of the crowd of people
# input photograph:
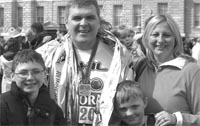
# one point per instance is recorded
(94, 74)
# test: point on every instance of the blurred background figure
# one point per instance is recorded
(123, 33)
(60, 34)
(37, 35)
(11, 47)
(126, 37)
(106, 25)
(2, 42)
(196, 49)
(187, 46)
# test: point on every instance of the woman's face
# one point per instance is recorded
(162, 42)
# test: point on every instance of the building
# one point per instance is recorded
(22, 13)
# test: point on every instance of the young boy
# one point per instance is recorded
(124, 34)
(129, 104)
(28, 102)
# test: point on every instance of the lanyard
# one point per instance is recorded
(86, 72)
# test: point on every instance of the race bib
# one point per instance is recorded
(87, 106)
(88, 96)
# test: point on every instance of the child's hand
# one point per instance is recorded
(165, 119)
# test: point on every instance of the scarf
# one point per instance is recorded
(65, 79)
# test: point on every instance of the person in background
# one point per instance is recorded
(11, 47)
(24, 43)
(28, 102)
(61, 32)
(187, 47)
(2, 42)
(196, 49)
(124, 34)
(84, 68)
(130, 103)
(170, 79)
(39, 35)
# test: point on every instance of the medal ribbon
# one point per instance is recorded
(86, 72)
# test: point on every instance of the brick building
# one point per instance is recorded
(22, 13)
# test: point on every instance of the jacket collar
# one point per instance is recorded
(178, 62)
(42, 105)
(43, 94)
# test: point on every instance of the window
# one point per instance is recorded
(67, 11)
(40, 14)
(117, 14)
(1, 17)
(61, 16)
(101, 10)
(20, 16)
(137, 15)
(162, 8)
(197, 15)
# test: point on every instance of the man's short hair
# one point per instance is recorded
(82, 3)
(127, 90)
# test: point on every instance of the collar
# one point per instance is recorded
(43, 102)
(4, 60)
(43, 94)
(178, 62)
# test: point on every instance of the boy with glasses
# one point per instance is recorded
(28, 102)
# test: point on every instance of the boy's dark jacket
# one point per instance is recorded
(16, 110)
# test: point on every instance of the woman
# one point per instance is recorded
(169, 79)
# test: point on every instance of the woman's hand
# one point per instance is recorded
(165, 119)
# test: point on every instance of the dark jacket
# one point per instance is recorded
(38, 40)
(16, 110)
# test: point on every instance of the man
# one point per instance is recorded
(84, 71)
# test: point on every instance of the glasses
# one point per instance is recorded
(26, 73)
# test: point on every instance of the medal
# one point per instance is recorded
(84, 89)
(85, 115)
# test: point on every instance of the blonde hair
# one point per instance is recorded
(153, 22)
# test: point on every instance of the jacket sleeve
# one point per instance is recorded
(59, 117)
(3, 111)
(193, 97)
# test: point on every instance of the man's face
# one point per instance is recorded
(132, 112)
(83, 24)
